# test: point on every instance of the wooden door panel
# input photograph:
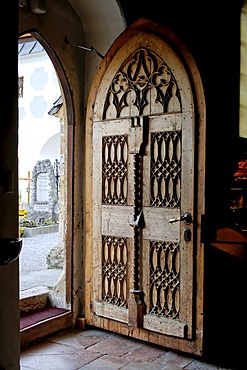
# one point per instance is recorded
(164, 326)
(111, 312)
(157, 225)
(111, 278)
(168, 192)
(143, 140)
(114, 186)
(115, 221)
(112, 212)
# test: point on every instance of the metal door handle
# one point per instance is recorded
(186, 218)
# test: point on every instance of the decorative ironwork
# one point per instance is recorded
(165, 172)
(137, 210)
(114, 169)
(164, 279)
(143, 85)
(114, 270)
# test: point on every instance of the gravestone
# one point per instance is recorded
(44, 197)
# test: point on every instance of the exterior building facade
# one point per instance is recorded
(39, 132)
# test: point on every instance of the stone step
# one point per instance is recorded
(38, 318)
(39, 330)
(34, 298)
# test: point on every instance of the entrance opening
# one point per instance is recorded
(43, 172)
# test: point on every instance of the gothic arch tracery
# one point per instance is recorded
(143, 85)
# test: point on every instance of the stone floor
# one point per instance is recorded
(93, 348)
(96, 349)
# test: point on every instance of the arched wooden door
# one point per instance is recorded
(143, 212)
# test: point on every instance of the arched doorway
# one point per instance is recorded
(61, 294)
(145, 193)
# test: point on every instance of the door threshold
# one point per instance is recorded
(37, 325)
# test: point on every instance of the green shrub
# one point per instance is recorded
(27, 223)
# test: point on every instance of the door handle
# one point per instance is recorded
(186, 218)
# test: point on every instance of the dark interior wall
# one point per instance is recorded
(9, 278)
(211, 32)
(224, 314)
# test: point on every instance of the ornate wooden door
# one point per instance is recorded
(143, 195)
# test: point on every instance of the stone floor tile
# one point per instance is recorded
(145, 352)
(200, 365)
(60, 361)
(173, 360)
(48, 348)
(143, 365)
(115, 346)
(81, 339)
(106, 363)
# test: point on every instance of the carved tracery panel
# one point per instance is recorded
(143, 85)
(114, 169)
(165, 169)
(164, 279)
(114, 270)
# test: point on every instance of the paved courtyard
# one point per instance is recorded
(34, 270)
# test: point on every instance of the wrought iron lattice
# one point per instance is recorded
(164, 279)
(165, 171)
(114, 169)
(143, 85)
(114, 270)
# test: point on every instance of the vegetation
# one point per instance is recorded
(24, 222)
